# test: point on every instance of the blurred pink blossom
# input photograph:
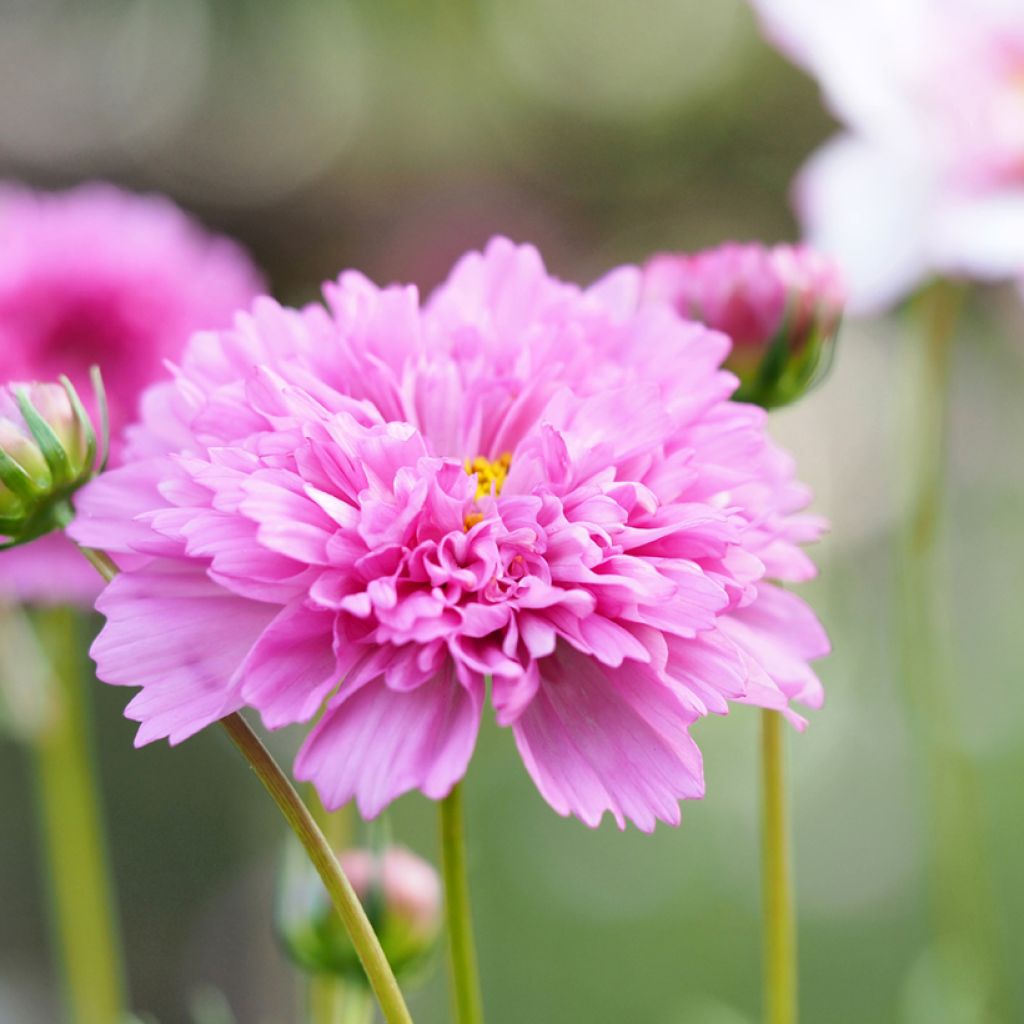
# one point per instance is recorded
(928, 178)
(746, 290)
(518, 480)
(780, 305)
(98, 276)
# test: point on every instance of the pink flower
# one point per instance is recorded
(98, 276)
(518, 480)
(929, 177)
(780, 305)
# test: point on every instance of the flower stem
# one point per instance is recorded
(302, 823)
(780, 986)
(80, 883)
(465, 979)
(343, 896)
(961, 895)
(330, 999)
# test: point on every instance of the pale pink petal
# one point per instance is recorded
(883, 253)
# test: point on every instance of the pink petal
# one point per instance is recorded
(173, 632)
(596, 740)
(375, 743)
(781, 634)
(292, 667)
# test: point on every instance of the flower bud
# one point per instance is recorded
(781, 307)
(48, 449)
(400, 892)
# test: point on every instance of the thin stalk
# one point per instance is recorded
(330, 998)
(961, 895)
(81, 892)
(302, 823)
(343, 896)
(780, 975)
(465, 979)
(356, 1006)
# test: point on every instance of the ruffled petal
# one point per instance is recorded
(292, 667)
(781, 635)
(173, 632)
(596, 739)
(374, 743)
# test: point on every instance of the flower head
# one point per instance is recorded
(780, 306)
(400, 892)
(48, 449)
(929, 176)
(98, 277)
(319, 529)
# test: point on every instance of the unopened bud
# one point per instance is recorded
(400, 892)
(780, 305)
(48, 449)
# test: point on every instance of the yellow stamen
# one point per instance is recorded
(490, 477)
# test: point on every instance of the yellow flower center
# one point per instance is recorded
(490, 477)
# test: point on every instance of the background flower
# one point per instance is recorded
(97, 276)
(319, 519)
(780, 305)
(929, 176)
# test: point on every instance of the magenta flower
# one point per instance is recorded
(381, 505)
(929, 176)
(96, 276)
(781, 306)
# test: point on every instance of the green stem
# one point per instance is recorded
(780, 984)
(80, 886)
(961, 896)
(302, 823)
(356, 1006)
(330, 998)
(342, 895)
(101, 562)
(465, 979)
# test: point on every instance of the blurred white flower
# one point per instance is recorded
(928, 178)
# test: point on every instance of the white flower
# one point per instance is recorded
(928, 178)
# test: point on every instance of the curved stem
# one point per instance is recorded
(329, 998)
(343, 896)
(780, 985)
(465, 979)
(302, 823)
(81, 892)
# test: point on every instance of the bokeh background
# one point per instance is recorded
(391, 136)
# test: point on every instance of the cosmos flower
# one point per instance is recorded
(928, 178)
(96, 276)
(780, 305)
(384, 505)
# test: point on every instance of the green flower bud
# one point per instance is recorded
(48, 449)
(400, 892)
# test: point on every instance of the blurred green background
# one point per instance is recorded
(392, 136)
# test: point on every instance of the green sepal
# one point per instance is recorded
(104, 410)
(16, 478)
(49, 444)
(84, 424)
